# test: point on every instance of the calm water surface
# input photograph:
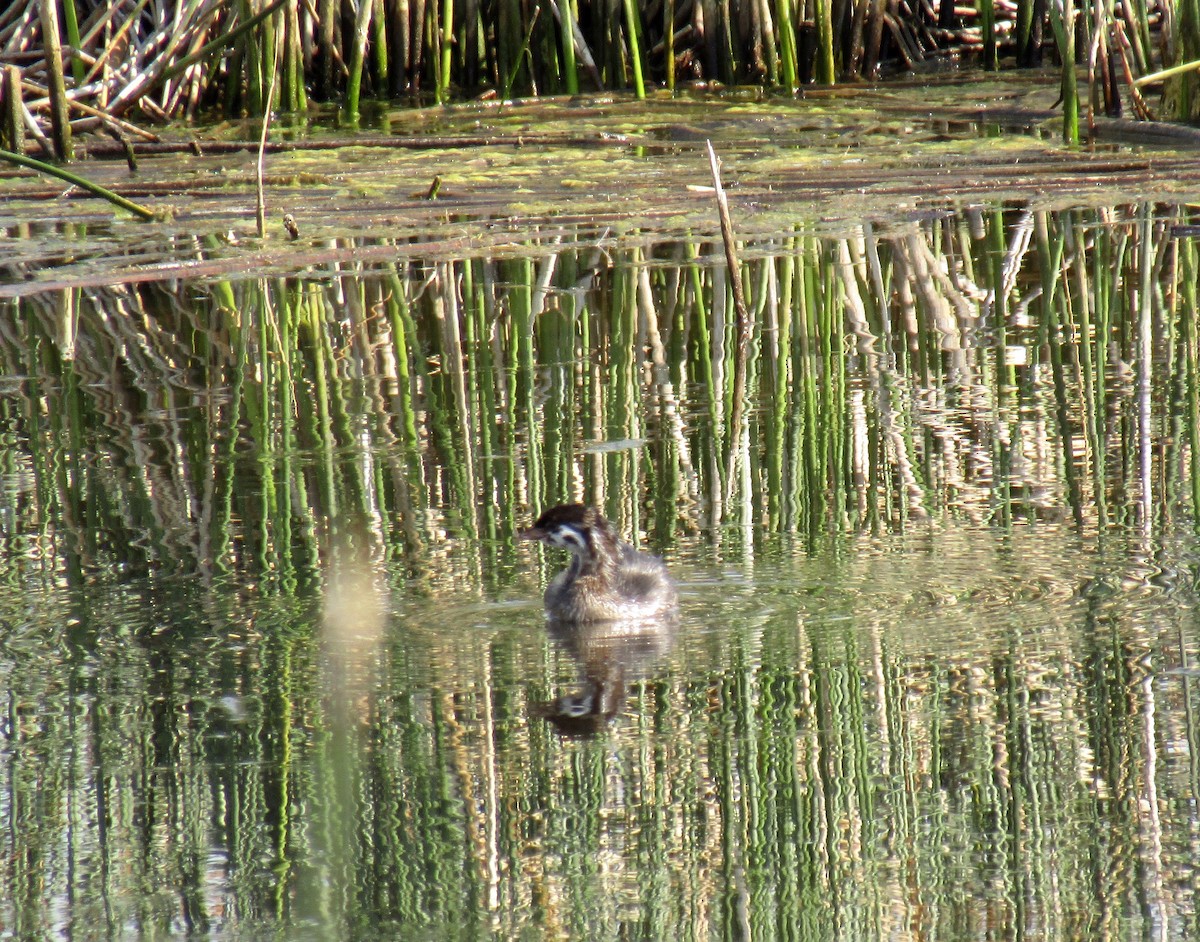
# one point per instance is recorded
(272, 663)
(967, 732)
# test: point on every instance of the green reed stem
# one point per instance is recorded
(1027, 55)
(94, 188)
(71, 22)
(443, 88)
(787, 50)
(55, 81)
(379, 46)
(1063, 22)
(1189, 270)
(987, 24)
(293, 97)
(635, 50)
(826, 73)
(1080, 306)
(521, 56)
(566, 24)
(358, 52)
(669, 39)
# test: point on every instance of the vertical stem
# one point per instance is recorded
(1024, 31)
(635, 51)
(741, 312)
(787, 44)
(566, 20)
(987, 22)
(824, 17)
(1144, 352)
(669, 39)
(261, 202)
(362, 28)
(380, 45)
(12, 135)
(59, 119)
(78, 69)
(447, 49)
(326, 14)
(1070, 92)
(1190, 274)
(293, 65)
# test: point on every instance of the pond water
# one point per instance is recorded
(274, 664)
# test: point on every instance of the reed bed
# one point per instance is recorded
(1002, 366)
(1007, 378)
(122, 64)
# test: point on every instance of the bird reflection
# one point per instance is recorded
(611, 655)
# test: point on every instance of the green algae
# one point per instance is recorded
(609, 164)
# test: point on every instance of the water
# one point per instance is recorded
(972, 732)
(273, 664)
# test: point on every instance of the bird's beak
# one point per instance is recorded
(532, 533)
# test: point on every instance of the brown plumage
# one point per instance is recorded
(607, 579)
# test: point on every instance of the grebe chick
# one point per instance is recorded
(607, 579)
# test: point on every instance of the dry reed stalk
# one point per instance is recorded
(134, 52)
(102, 117)
(13, 136)
(742, 322)
(60, 121)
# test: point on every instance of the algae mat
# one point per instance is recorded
(518, 177)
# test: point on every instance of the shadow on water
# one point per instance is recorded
(273, 662)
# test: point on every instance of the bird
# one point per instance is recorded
(607, 579)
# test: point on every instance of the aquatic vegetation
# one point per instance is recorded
(266, 636)
(998, 365)
(228, 56)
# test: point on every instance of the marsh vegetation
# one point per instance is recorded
(937, 586)
(274, 664)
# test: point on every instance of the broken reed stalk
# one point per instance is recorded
(731, 256)
(95, 188)
(742, 315)
(260, 192)
(1167, 73)
(105, 119)
(12, 134)
(60, 122)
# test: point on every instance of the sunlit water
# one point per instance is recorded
(957, 730)
(273, 663)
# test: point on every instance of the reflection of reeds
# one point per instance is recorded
(996, 380)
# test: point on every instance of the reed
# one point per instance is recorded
(222, 54)
(142, 212)
(59, 122)
(807, 416)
